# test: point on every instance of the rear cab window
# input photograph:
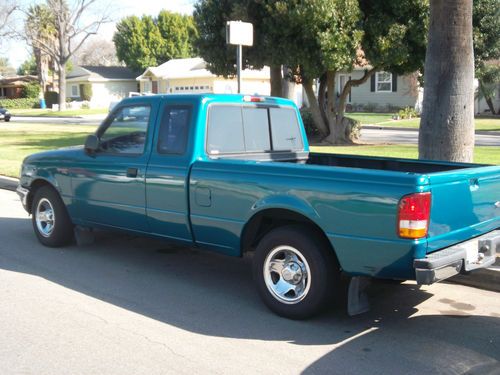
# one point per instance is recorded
(243, 129)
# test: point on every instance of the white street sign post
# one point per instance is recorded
(240, 34)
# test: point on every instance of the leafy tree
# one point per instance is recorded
(486, 31)
(447, 122)
(28, 67)
(31, 90)
(177, 31)
(319, 38)
(147, 41)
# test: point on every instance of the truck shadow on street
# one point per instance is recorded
(213, 295)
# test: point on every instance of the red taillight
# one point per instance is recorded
(248, 98)
(413, 215)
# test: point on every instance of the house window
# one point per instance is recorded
(383, 82)
(74, 90)
(147, 86)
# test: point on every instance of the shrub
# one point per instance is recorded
(85, 105)
(51, 98)
(30, 90)
(86, 91)
(407, 113)
(21, 103)
(370, 107)
(308, 121)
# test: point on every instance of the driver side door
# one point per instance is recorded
(109, 185)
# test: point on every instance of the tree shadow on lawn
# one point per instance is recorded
(58, 141)
(213, 295)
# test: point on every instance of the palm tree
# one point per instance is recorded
(41, 34)
(447, 123)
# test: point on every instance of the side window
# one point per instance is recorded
(126, 134)
(285, 130)
(174, 130)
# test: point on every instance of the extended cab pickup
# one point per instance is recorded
(234, 174)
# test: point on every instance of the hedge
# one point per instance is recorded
(21, 103)
(51, 98)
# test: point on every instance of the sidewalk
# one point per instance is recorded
(494, 133)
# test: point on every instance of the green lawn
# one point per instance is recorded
(385, 119)
(50, 113)
(482, 155)
(19, 140)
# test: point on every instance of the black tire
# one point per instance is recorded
(323, 276)
(7, 119)
(58, 228)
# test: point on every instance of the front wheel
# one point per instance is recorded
(50, 220)
(295, 272)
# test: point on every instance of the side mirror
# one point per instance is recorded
(92, 143)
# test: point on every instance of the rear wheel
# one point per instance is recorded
(50, 219)
(295, 272)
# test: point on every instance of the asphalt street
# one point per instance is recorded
(410, 137)
(87, 120)
(129, 305)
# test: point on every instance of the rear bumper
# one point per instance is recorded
(480, 252)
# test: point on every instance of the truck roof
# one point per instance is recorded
(223, 98)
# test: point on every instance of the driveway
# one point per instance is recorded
(129, 305)
(380, 135)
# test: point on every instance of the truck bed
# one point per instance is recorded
(388, 164)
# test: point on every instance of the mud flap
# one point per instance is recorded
(357, 299)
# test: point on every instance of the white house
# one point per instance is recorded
(187, 76)
(383, 91)
(109, 83)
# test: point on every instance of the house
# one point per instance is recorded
(188, 76)
(108, 83)
(384, 91)
(11, 87)
(480, 105)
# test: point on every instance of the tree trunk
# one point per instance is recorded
(447, 123)
(287, 85)
(62, 86)
(487, 98)
(314, 108)
(276, 87)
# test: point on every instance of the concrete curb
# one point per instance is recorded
(378, 127)
(488, 279)
(8, 183)
(60, 117)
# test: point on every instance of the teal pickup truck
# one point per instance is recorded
(234, 174)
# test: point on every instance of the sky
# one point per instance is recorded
(17, 51)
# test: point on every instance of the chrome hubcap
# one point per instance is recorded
(44, 217)
(287, 274)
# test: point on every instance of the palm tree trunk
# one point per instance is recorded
(447, 123)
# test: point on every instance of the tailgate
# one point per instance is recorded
(465, 204)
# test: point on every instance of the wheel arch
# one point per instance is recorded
(36, 184)
(271, 218)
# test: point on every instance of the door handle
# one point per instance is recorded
(132, 172)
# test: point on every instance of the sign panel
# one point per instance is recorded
(239, 33)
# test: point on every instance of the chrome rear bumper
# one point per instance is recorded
(480, 252)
